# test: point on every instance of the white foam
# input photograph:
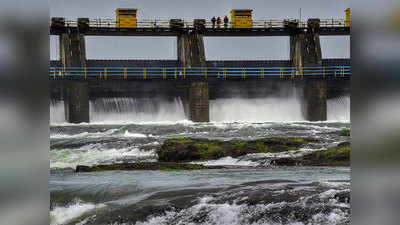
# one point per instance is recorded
(93, 154)
(119, 122)
(61, 215)
(83, 134)
(62, 136)
(227, 161)
(233, 213)
(134, 135)
(256, 159)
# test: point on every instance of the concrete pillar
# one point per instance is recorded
(72, 50)
(76, 93)
(191, 50)
(314, 100)
(305, 50)
(199, 106)
(76, 101)
(191, 54)
(305, 47)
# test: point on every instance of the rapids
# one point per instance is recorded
(250, 192)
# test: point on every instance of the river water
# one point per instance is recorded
(249, 192)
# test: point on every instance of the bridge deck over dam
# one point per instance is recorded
(209, 63)
(107, 27)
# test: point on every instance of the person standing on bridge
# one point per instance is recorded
(219, 21)
(226, 20)
(213, 20)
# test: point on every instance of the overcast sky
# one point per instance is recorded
(216, 47)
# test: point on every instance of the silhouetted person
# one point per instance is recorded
(219, 21)
(213, 20)
(226, 20)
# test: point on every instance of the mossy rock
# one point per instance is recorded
(344, 132)
(336, 156)
(191, 149)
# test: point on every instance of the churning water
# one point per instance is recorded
(251, 192)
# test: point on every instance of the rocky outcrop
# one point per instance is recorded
(336, 156)
(190, 149)
(175, 154)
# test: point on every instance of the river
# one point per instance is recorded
(250, 191)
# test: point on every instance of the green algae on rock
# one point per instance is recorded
(335, 156)
(184, 149)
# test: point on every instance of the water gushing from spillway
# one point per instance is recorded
(338, 109)
(256, 110)
(57, 112)
(125, 110)
(136, 110)
(239, 109)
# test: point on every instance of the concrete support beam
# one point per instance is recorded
(191, 50)
(76, 101)
(76, 93)
(305, 47)
(191, 53)
(314, 100)
(72, 50)
(199, 105)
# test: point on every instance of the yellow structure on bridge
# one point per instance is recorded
(241, 18)
(126, 18)
(347, 11)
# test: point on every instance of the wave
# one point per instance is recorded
(210, 210)
(95, 154)
(62, 215)
(227, 161)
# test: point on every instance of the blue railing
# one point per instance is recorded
(199, 72)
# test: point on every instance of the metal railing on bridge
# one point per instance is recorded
(112, 23)
(197, 72)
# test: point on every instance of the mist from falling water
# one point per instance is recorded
(256, 110)
(125, 110)
(136, 110)
(338, 109)
(57, 112)
(253, 110)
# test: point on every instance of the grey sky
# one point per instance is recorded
(216, 47)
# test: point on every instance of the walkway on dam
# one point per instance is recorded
(154, 72)
(108, 27)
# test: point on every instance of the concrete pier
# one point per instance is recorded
(76, 101)
(305, 50)
(191, 53)
(314, 93)
(72, 50)
(305, 47)
(199, 105)
(76, 93)
(191, 50)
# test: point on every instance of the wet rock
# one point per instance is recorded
(191, 149)
(285, 162)
(344, 132)
(145, 166)
(343, 144)
(336, 156)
